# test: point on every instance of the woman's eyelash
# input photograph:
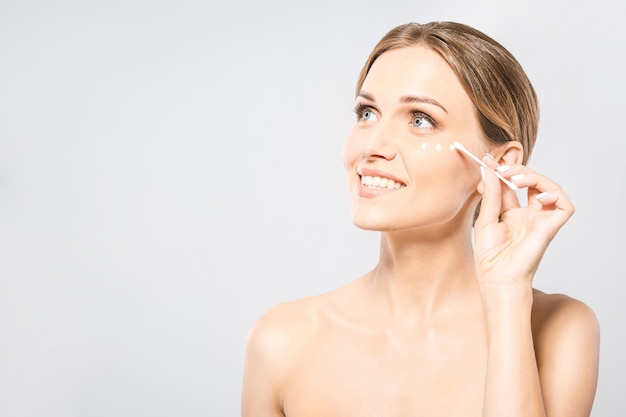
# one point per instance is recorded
(361, 108)
(423, 115)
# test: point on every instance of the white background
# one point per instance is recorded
(169, 170)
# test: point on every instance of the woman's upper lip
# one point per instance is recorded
(369, 172)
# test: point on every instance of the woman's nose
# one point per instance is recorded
(378, 143)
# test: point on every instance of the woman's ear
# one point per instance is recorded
(511, 153)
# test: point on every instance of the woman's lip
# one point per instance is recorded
(371, 192)
(376, 173)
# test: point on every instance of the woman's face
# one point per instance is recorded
(401, 169)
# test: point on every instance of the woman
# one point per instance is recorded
(443, 325)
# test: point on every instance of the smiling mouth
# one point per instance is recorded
(381, 182)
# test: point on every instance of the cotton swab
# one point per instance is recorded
(461, 148)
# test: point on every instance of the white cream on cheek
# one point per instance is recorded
(434, 148)
(436, 151)
(431, 150)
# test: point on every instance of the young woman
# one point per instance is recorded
(445, 324)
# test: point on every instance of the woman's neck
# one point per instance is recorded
(415, 279)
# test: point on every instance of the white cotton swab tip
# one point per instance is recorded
(461, 148)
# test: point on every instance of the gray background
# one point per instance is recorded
(169, 170)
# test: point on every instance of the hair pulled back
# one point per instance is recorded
(495, 82)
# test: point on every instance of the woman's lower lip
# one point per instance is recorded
(370, 192)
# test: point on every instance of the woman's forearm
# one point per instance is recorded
(512, 386)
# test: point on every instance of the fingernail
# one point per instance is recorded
(490, 156)
(503, 168)
(542, 195)
(517, 177)
(482, 172)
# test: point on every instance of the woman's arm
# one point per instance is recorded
(553, 372)
(512, 385)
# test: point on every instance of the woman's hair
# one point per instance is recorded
(495, 82)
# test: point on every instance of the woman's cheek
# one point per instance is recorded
(350, 150)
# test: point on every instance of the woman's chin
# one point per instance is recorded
(373, 223)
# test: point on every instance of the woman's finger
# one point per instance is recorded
(541, 189)
(491, 206)
(510, 200)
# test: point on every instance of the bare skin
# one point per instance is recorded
(319, 357)
(442, 326)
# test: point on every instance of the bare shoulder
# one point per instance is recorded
(273, 346)
(558, 319)
(561, 313)
(286, 327)
(566, 336)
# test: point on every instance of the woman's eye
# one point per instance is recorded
(422, 121)
(368, 115)
(365, 113)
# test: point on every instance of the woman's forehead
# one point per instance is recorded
(417, 71)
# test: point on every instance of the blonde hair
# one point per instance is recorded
(493, 79)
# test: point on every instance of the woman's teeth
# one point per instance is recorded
(380, 182)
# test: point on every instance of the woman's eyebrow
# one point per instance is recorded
(422, 99)
(366, 95)
(406, 99)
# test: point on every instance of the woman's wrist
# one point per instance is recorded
(505, 286)
(504, 302)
